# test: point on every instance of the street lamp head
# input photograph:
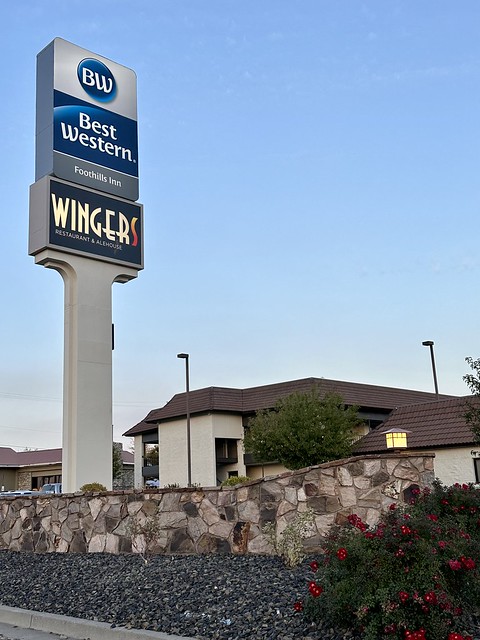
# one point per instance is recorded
(428, 343)
(184, 356)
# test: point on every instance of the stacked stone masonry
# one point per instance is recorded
(212, 520)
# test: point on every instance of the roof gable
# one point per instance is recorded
(433, 424)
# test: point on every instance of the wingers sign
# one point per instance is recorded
(83, 221)
(86, 128)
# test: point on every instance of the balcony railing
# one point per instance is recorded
(150, 471)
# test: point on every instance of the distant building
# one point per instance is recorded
(33, 469)
(438, 427)
(219, 416)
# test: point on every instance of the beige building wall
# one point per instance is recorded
(204, 429)
(257, 471)
(229, 426)
(172, 445)
(454, 465)
(138, 462)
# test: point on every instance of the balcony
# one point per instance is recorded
(226, 451)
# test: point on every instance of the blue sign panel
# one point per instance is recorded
(95, 135)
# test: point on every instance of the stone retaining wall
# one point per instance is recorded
(203, 520)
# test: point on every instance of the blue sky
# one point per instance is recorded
(310, 176)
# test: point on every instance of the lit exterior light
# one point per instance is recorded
(396, 438)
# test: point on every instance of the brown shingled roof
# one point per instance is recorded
(432, 425)
(353, 393)
(10, 457)
(247, 401)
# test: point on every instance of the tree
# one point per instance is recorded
(303, 430)
(472, 405)
(151, 455)
(117, 463)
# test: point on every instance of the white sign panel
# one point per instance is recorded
(86, 129)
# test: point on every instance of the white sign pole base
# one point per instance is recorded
(87, 387)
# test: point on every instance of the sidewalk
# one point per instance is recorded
(20, 624)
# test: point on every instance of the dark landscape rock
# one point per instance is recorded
(209, 596)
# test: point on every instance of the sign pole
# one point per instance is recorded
(86, 223)
(87, 385)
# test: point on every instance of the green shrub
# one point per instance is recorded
(93, 486)
(234, 480)
(415, 576)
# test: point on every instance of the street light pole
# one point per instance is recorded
(185, 356)
(430, 343)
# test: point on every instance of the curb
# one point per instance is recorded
(76, 627)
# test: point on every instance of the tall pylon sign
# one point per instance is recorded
(86, 223)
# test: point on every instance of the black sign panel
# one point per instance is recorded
(88, 222)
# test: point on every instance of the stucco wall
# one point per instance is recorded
(226, 426)
(454, 465)
(229, 426)
(257, 471)
(203, 431)
(201, 520)
(172, 441)
(138, 462)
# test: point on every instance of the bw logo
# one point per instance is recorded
(97, 80)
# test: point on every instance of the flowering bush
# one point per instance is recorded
(415, 576)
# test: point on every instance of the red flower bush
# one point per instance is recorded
(315, 589)
(342, 553)
(414, 576)
(455, 565)
(314, 566)
(415, 635)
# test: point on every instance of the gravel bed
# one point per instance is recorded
(206, 596)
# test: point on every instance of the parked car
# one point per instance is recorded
(11, 494)
(152, 483)
(54, 487)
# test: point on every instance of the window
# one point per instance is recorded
(476, 465)
(226, 450)
(39, 481)
(150, 455)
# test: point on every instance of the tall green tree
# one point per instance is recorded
(303, 429)
(472, 405)
(117, 464)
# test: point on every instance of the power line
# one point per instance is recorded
(23, 396)
(5, 426)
